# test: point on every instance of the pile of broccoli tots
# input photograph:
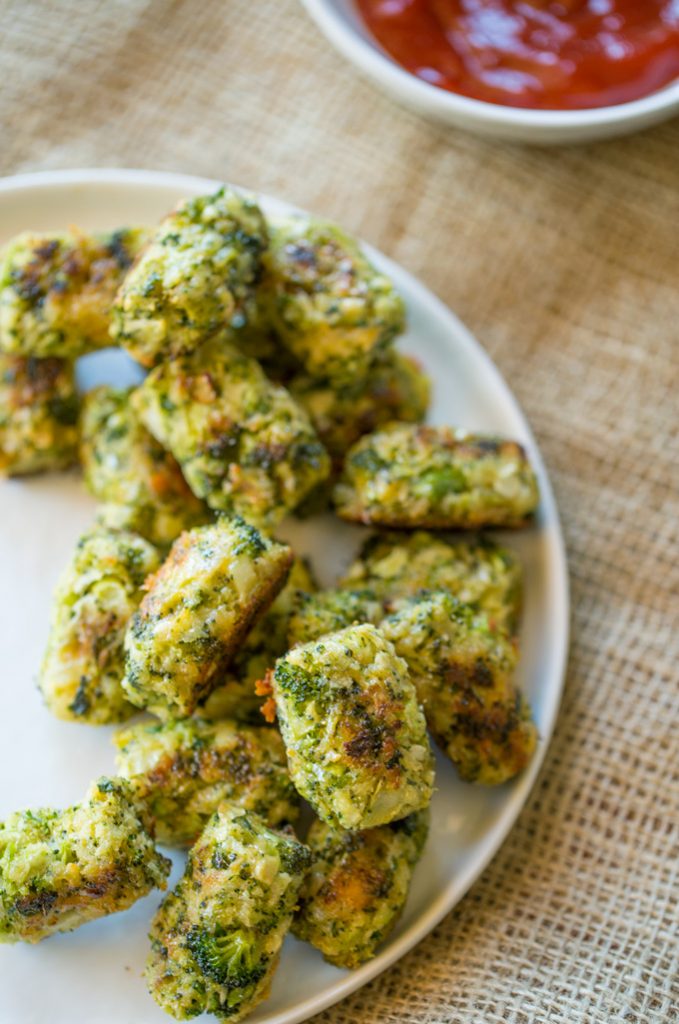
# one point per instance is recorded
(273, 387)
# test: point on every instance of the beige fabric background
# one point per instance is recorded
(564, 263)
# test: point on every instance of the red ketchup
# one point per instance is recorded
(544, 54)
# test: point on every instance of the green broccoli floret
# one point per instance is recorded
(216, 939)
(230, 958)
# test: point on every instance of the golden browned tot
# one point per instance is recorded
(357, 886)
(243, 443)
(100, 589)
(408, 476)
(201, 261)
(57, 290)
(216, 939)
(184, 770)
(353, 729)
(197, 610)
(39, 409)
(333, 309)
(465, 675)
(61, 869)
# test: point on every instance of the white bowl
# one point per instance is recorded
(341, 23)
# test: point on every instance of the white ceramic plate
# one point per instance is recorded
(93, 975)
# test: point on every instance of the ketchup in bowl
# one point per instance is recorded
(544, 54)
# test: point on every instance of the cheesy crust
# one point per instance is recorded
(61, 869)
(353, 729)
(216, 939)
(202, 261)
(477, 571)
(357, 887)
(196, 612)
(39, 409)
(410, 476)
(336, 313)
(100, 589)
(243, 443)
(57, 290)
(182, 771)
(465, 677)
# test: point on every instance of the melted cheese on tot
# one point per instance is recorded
(436, 477)
(354, 732)
(61, 869)
(216, 939)
(196, 612)
(465, 677)
(357, 887)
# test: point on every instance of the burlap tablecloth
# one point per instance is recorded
(564, 263)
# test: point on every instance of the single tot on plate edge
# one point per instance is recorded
(61, 869)
(411, 476)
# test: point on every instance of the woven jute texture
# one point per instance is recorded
(564, 263)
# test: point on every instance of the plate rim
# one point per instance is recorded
(556, 578)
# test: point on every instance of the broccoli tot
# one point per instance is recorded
(184, 770)
(141, 484)
(196, 612)
(396, 566)
(216, 939)
(61, 869)
(38, 415)
(410, 476)
(336, 313)
(357, 887)
(395, 389)
(93, 602)
(243, 444)
(464, 675)
(56, 291)
(202, 261)
(327, 611)
(354, 732)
